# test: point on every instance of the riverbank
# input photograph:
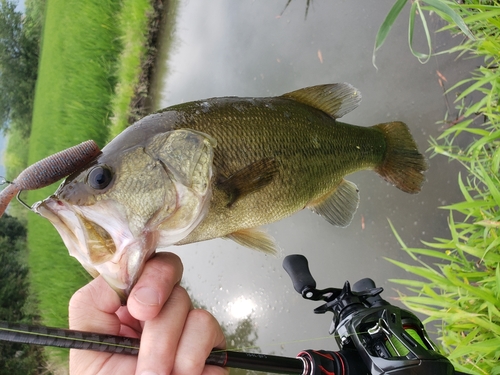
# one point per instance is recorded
(137, 65)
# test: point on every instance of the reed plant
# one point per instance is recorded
(459, 276)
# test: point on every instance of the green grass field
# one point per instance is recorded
(88, 49)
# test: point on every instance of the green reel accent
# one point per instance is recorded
(414, 334)
(398, 349)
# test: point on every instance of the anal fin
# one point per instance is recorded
(339, 206)
(254, 238)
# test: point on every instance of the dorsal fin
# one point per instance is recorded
(335, 99)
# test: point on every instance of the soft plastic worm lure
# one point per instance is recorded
(49, 170)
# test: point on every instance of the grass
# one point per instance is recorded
(16, 160)
(460, 291)
(74, 81)
(66, 112)
(91, 51)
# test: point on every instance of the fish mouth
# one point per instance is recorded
(101, 240)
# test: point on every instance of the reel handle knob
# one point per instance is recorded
(297, 267)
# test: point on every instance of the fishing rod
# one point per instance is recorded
(374, 337)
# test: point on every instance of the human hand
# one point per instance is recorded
(175, 338)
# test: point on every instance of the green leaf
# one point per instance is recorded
(427, 273)
(386, 26)
(483, 16)
(490, 184)
(497, 276)
(441, 6)
(430, 253)
(422, 57)
(479, 83)
(409, 282)
(465, 206)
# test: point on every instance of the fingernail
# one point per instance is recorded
(147, 372)
(147, 296)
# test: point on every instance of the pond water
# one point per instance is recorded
(256, 48)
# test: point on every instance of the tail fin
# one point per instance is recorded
(403, 165)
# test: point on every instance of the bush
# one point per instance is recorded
(15, 358)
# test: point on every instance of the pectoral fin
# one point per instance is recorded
(248, 179)
(254, 238)
(338, 207)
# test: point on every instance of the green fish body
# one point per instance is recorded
(223, 167)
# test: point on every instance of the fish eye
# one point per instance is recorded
(99, 177)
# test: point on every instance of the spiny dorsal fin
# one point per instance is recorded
(335, 99)
(249, 179)
(339, 206)
(254, 238)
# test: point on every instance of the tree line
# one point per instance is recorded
(20, 36)
(20, 40)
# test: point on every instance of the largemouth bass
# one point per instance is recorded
(223, 167)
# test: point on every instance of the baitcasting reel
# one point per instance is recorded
(374, 336)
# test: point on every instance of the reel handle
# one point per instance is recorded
(297, 267)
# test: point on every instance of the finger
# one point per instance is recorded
(93, 307)
(130, 327)
(201, 334)
(161, 335)
(154, 286)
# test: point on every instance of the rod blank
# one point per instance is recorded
(72, 339)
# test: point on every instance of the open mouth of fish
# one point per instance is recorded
(99, 237)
